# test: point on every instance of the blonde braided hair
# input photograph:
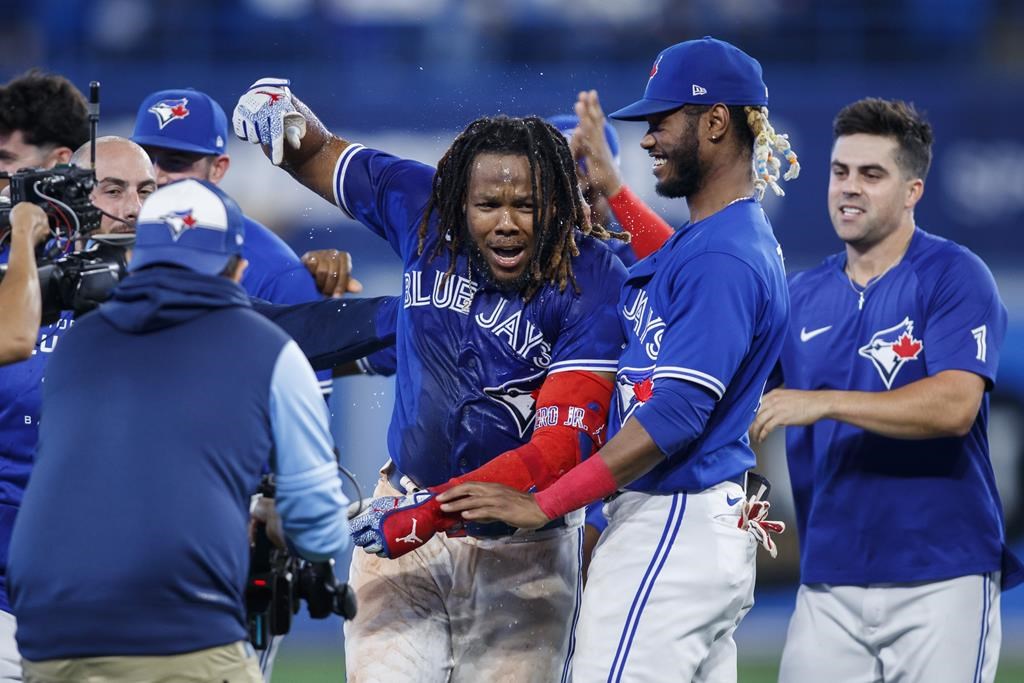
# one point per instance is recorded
(766, 165)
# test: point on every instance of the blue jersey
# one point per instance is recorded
(274, 273)
(709, 308)
(470, 357)
(873, 509)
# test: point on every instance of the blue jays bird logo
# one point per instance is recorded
(178, 222)
(633, 387)
(519, 397)
(169, 110)
(892, 348)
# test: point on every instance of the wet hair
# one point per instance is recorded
(894, 119)
(558, 209)
(48, 109)
(752, 131)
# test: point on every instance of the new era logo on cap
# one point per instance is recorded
(166, 111)
(697, 90)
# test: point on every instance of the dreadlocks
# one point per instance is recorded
(558, 209)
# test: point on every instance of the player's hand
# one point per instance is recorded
(265, 512)
(266, 116)
(787, 408)
(332, 270)
(590, 146)
(487, 502)
(28, 221)
(391, 526)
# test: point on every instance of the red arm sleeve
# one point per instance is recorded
(570, 403)
(649, 230)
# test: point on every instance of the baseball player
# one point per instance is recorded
(704, 319)
(507, 339)
(892, 348)
(185, 133)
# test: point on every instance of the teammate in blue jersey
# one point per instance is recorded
(891, 351)
(704, 319)
(507, 339)
(185, 133)
(129, 555)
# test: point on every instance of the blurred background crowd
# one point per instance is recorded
(406, 75)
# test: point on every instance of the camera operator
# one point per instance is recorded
(128, 558)
(20, 307)
(43, 118)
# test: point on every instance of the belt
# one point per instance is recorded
(740, 479)
(405, 484)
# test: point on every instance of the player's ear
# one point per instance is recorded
(219, 167)
(59, 155)
(717, 123)
(915, 190)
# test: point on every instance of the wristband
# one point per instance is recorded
(589, 481)
(648, 230)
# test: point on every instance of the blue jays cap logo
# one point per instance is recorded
(178, 222)
(890, 349)
(169, 110)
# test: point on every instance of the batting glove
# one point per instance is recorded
(753, 519)
(391, 526)
(265, 115)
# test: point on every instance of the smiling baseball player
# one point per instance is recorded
(893, 346)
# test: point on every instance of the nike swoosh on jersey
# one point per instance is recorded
(732, 501)
(806, 336)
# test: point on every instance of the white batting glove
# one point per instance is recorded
(265, 115)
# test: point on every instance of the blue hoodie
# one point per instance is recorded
(161, 410)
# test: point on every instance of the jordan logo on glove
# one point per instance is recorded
(411, 537)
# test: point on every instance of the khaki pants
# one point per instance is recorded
(233, 663)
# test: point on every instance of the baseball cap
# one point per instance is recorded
(186, 120)
(190, 223)
(567, 123)
(705, 71)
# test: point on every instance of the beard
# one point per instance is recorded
(686, 172)
(507, 286)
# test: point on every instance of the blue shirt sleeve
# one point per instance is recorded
(385, 361)
(309, 498)
(332, 332)
(966, 320)
(385, 193)
(590, 336)
(716, 301)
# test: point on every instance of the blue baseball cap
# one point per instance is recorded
(705, 71)
(568, 123)
(186, 120)
(189, 223)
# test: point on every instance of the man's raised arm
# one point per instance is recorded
(290, 133)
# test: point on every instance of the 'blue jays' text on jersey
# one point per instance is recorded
(385, 361)
(469, 357)
(709, 308)
(873, 509)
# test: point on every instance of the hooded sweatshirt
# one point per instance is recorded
(161, 410)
